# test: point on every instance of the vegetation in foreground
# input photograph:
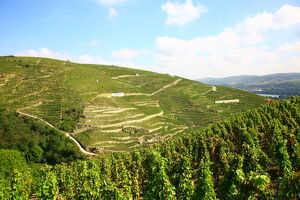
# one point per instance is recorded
(38, 142)
(255, 155)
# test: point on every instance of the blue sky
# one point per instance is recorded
(189, 38)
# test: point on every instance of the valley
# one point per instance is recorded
(278, 86)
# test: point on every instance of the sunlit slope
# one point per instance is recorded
(148, 107)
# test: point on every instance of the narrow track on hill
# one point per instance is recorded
(109, 95)
(66, 133)
(167, 86)
(212, 89)
(161, 113)
(124, 76)
(117, 126)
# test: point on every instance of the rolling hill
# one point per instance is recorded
(110, 108)
(284, 84)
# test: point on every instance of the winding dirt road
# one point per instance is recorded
(66, 133)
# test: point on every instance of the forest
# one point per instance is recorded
(253, 155)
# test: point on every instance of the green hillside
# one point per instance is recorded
(79, 98)
(253, 155)
(38, 142)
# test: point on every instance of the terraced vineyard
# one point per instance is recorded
(109, 108)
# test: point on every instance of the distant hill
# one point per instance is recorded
(110, 108)
(282, 84)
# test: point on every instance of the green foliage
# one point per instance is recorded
(18, 186)
(205, 188)
(240, 158)
(11, 160)
(70, 119)
(48, 186)
(159, 186)
(38, 142)
(185, 186)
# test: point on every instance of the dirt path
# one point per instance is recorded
(32, 106)
(17, 85)
(155, 129)
(6, 79)
(113, 142)
(124, 76)
(167, 86)
(67, 134)
(112, 131)
(109, 95)
(119, 110)
(161, 113)
(32, 94)
(214, 88)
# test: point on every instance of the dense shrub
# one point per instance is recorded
(39, 143)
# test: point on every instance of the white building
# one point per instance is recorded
(121, 94)
(228, 101)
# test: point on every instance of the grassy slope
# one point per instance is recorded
(52, 89)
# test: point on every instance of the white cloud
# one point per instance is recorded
(94, 43)
(236, 50)
(120, 58)
(90, 43)
(89, 59)
(251, 60)
(252, 28)
(290, 48)
(43, 52)
(124, 54)
(47, 53)
(286, 16)
(111, 2)
(112, 13)
(228, 39)
(181, 14)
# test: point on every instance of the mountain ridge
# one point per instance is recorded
(281, 84)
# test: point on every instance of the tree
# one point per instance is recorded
(205, 187)
(10, 160)
(159, 186)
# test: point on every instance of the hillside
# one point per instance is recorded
(253, 155)
(38, 142)
(284, 84)
(110, 108)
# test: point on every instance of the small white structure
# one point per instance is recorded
(121, 94)
(136, 74)
(228, 101)
(97, 81)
